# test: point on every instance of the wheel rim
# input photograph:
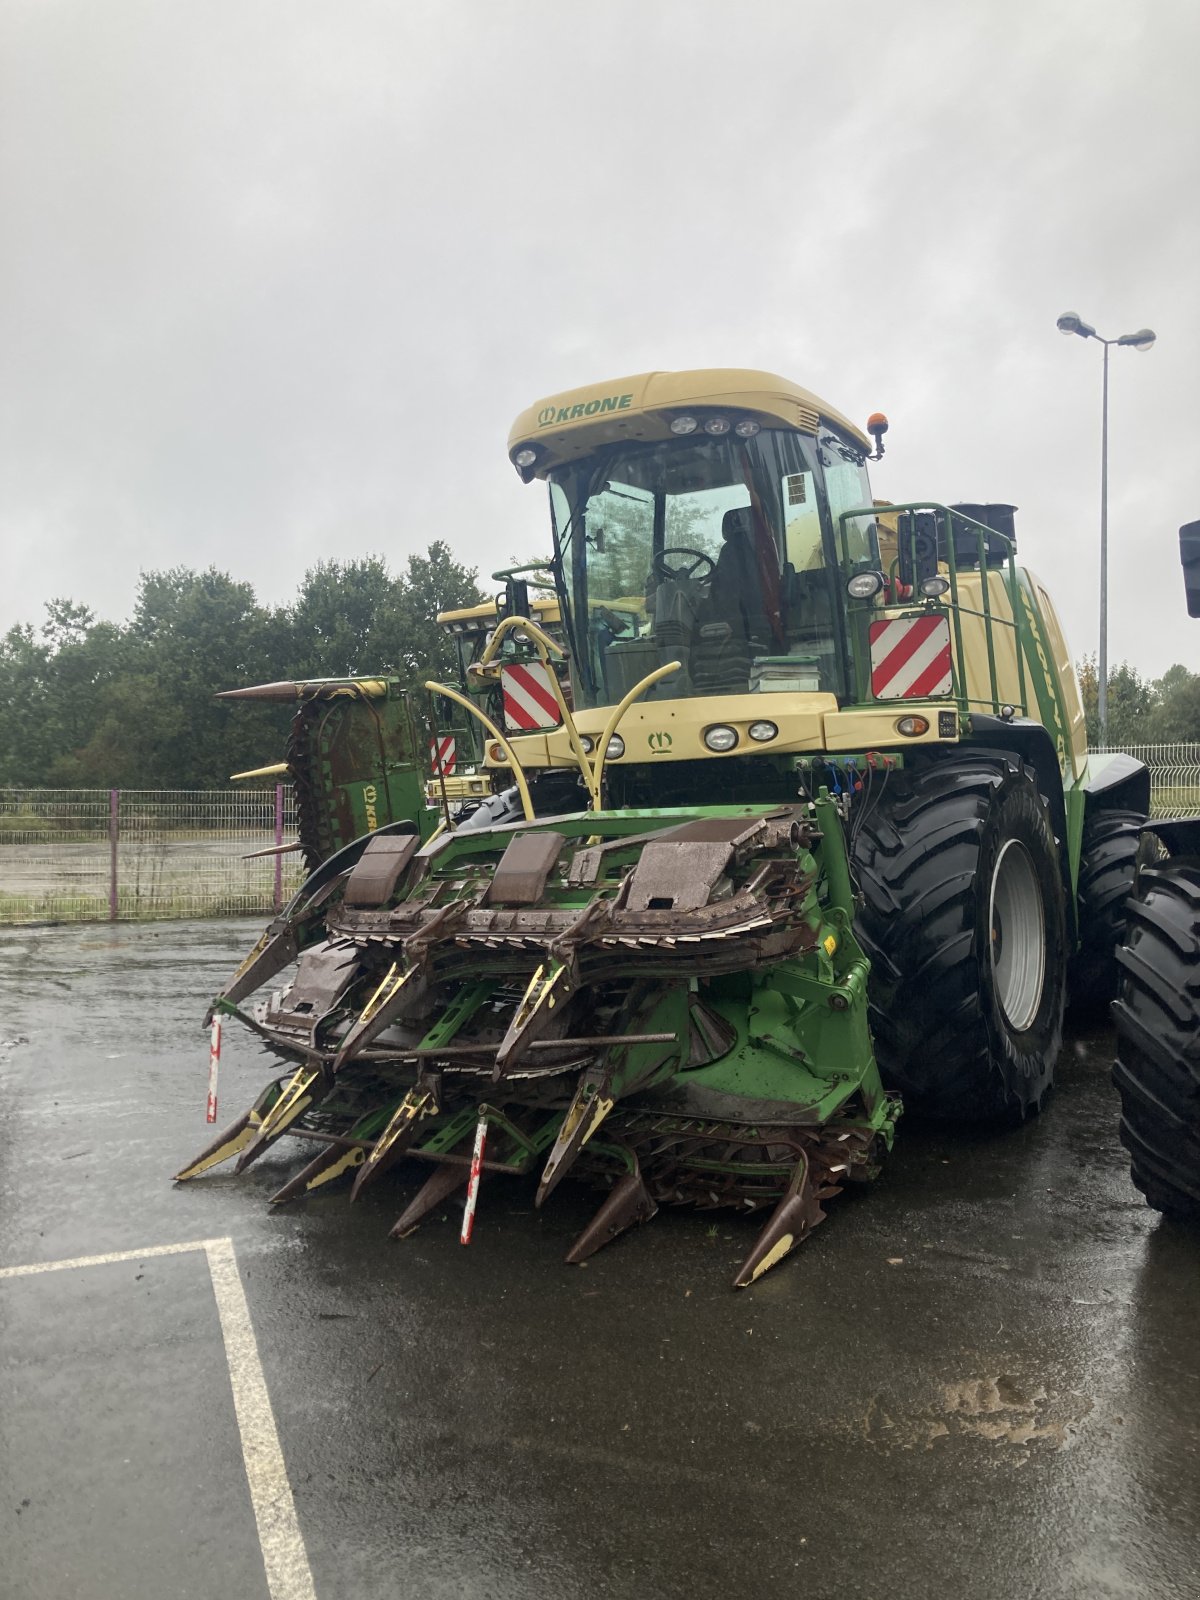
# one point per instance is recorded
(1017, 928)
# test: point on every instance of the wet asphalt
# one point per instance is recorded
(980, 1377)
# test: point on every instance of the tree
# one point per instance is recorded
(1160, 711)
(418, 648)
(341, 608)
(1176, 716)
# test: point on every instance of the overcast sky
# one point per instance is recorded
(276, 275)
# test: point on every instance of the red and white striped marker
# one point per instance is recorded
(528, 697)
(214, 1067)
(910, 657)
(443, 756)
(468, 1223)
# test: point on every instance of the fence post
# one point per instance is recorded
(278, 845)
(114, 828)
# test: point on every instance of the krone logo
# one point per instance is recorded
(584, 408)
(659, 741)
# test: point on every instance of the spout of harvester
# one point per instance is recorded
(275, 770)
(286, 690)
(291, 689)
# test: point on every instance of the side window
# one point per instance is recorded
(802, 521)
(847, 485)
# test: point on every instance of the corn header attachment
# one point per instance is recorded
(669, 1005)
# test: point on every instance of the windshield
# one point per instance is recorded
(713, 552)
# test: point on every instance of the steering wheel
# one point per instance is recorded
(664, 573)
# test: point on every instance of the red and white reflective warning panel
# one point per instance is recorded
(910, 657)
(442, 757)
(529, 701)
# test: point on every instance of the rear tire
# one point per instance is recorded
(1106, 872)
(964, 918)
(1157, 1017)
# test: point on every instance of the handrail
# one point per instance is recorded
(494, 731)
(946, 519)
(611, 725)
(593, 771)
(528, 566)
(543, 643)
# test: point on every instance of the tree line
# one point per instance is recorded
(86, 703)
(1141, 710)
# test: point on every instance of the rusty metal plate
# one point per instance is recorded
(378, 869)
(520, 876)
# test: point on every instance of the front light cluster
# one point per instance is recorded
(614, 752)
(716, 426)
(720, 738)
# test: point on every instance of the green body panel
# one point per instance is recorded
(1047, 690)
(355, 765)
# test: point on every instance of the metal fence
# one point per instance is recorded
(90, 855)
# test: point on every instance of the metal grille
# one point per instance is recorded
(1174, 777)
(83, 855)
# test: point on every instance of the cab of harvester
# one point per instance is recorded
(725, 521)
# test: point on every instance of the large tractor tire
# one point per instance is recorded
(963, 915)
(1106, 872)
(1157, 1015)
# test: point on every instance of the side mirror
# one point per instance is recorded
(1189, 554)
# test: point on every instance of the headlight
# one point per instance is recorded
(684, 424)
(746, 429)
(912, 727)
(864, 584)
(717, 425)
(760, 732)
(720, 737)
(616, 748)
(526, 457)
(932, 587)
(588, 743)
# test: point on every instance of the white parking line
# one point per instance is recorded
(115, 1255)
(289, 1576)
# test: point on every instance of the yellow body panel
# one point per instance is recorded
(1068, 681)
(874, 728)
(566, 426)
(672, 730)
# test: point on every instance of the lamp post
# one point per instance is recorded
(1072, 322)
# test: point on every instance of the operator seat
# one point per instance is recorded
(746, 585)
(743, 618)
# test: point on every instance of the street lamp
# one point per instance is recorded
(1072, 322)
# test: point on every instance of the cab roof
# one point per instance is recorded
(565, 426)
